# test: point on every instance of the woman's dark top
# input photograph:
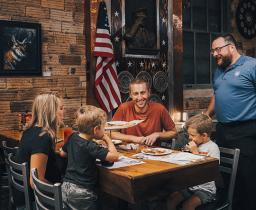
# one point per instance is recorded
(32, 143)
(82, 155)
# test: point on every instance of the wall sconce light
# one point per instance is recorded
(47, 72)
(180, 116)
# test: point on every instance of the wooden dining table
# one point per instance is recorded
(137, 183)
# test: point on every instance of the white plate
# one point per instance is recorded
(136, 122)
(156, 151)
(117, 122)
(116, 125)
(116, 141)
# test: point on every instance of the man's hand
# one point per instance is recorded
(151, 139)
(139, 139)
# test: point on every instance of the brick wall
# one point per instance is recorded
(197, 100)
(63, 48)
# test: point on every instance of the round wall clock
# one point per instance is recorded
(246, 18)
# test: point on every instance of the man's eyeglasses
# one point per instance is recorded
(218, 49)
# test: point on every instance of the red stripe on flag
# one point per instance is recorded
(103, 45)
(102, 35)
(104, 90)
(99, 99)
(103, 54)
(106, 85)
(116, 97)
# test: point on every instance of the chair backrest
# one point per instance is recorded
(170, 144)
(7, 150)
(47, 196)
(19, 176)
(228, 165)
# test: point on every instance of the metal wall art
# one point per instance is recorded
(145, 76)
(160, 81)
(246, 18)
(124, 78)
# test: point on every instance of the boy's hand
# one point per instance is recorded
(106, 138)
(101, 142)
(192, 147)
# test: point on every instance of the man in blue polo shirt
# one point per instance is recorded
(234, 103)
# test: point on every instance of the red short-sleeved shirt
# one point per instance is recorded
(156, 119)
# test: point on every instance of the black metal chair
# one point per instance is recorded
(228, 168)
(19, 176)
(6, 151)
(170, 144)
(47, 196)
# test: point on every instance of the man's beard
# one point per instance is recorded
(226, 61)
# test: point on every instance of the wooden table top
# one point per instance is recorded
(138, 182)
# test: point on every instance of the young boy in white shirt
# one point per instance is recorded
(199, 129)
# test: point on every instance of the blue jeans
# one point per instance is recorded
(77, 197)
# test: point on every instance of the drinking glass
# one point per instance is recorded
(67, 132)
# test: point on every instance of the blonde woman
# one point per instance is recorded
(38, 141)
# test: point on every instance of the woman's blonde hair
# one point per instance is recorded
(88, 117)
(44, 113)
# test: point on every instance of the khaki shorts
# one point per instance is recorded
(204, 196)
(76, 197)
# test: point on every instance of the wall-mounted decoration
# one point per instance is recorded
(160, 81)
(144, 75)
(155, 98)
(124, 78)
(140, 21)
(246, 18)
(20, 51)
(142, 61)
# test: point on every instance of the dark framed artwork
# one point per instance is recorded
(20, 51)
(141, 28)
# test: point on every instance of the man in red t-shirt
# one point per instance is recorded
(157, 123)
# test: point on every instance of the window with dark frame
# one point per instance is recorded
(203, 20)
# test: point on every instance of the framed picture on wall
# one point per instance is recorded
(20, 51)
(141, 28)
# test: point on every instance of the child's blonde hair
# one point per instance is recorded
(88, 117)
(201, 123)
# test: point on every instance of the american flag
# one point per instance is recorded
(106, 88)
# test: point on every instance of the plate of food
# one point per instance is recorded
(111, 123)
(115, 125)
(116, 141)
(156, 151)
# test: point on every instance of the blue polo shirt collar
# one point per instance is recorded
(239, 62)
